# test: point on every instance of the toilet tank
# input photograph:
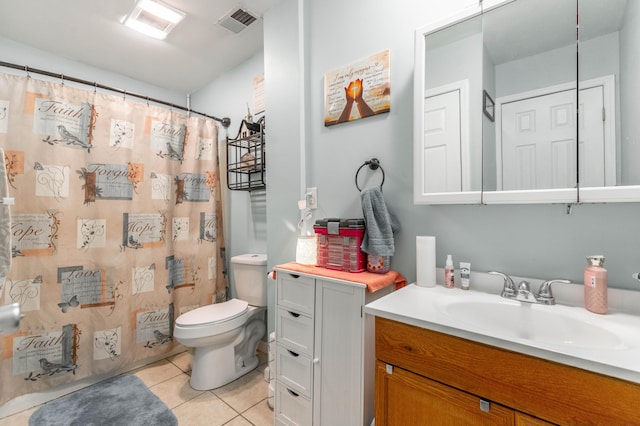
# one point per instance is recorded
(250, 278)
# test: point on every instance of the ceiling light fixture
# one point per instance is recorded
(153, 18)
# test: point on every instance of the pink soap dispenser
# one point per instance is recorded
(595, 285)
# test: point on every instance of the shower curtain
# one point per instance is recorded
(116, 230)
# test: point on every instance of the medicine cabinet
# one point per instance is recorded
(497, 89)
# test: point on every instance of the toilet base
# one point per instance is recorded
(213, 367)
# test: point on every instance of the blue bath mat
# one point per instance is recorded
(123, 400)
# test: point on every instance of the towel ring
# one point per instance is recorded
(374, 164)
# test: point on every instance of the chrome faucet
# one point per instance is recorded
(545, 296)
(509, 289)
(523, 292)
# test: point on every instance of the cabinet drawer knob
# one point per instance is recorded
(292, 353)
(293, 314)
(485, 406)
(316, 360)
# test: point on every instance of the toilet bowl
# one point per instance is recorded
(225, 335)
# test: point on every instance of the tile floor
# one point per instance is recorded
(240, 403)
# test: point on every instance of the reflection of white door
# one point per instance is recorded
(538, 142)
(445, 139)
(536, 137)
(591, 136)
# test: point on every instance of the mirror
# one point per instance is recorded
(447, 119)
(535, 148)
(530, 66)
(609, 132)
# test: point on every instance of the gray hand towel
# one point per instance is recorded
(380, 224)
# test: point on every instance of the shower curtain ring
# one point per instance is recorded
(62, 79)
(124, 94)
(26, 69)
(147, 101)
(95, 86)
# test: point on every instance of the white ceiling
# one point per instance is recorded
(89, 31)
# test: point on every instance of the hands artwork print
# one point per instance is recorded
(353, 93)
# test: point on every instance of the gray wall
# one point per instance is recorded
(246, 212)
(539, 241)
(21, 54)
(284, 98)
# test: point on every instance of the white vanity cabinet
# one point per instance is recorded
(325, 356)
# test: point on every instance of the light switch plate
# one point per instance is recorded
(312, 198)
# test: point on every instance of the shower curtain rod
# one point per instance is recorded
(226, 121)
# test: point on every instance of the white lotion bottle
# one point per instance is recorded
(465, 275)
(448, 272)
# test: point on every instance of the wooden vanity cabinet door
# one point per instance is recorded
(404, 398)
(526, 420)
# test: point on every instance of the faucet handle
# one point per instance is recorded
(544, 293)
(509, 288)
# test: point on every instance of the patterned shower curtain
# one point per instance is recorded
(116, 230)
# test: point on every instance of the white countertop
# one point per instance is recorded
(422, 307)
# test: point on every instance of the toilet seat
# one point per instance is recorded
(210, 314)
(212, 319)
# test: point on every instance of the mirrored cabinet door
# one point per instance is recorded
(447, 118)
(530, 70)
(609, 132)
(496, 96)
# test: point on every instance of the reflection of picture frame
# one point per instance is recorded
(488, 106)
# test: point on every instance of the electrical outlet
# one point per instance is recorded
(312, 198)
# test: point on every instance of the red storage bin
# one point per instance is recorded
(339, 244)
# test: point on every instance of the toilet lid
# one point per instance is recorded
(218, 312)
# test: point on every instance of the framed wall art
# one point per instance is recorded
(361, 89)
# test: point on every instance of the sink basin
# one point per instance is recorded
(568, 334)
(557, 325)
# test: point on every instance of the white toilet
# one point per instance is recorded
(226, 335)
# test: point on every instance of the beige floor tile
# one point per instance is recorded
(260, 414)
(182, 361)
(18, 419)
(157, 372)
(206, 409)
(175, 391)
(238, 421)
(244, 392)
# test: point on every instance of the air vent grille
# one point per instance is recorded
(244, 17)
(237, 20)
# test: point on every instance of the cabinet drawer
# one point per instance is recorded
(291, 408)
(296, 292)
(295, 331)
(294, 370)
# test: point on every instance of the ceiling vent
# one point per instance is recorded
(237, 20)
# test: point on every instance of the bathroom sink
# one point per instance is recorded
(557, 325)
(565, 333)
